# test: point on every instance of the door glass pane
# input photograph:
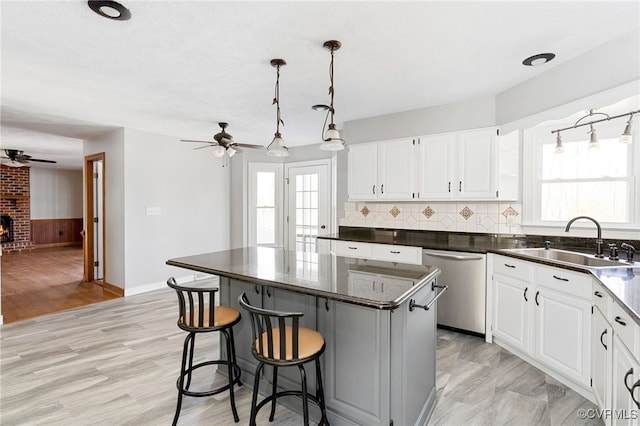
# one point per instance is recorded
(265, 225)
(307, 195)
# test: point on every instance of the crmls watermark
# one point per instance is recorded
(596, 413)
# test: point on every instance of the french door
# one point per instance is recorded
(308, 203)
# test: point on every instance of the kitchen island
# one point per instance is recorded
(379, 362)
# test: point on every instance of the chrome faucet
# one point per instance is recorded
(599, 242)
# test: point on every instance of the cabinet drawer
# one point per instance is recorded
(400, 254)
(352, 249)
(600, 298)
(624, 327)
(569, 282)
(512, 268)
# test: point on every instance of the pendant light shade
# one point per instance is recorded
(559, 148)
(277, 147)
(593, 139)
(626, 135)
(219, 151)
(331, 140)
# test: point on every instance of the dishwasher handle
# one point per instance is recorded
(454, 256)
(413, 304)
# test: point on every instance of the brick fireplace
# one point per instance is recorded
(15, 202)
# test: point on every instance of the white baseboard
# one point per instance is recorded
(197, 276)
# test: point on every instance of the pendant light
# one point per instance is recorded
(593, 139)
(277, 148)
(626, 135)
(559, 148)
(331, 140)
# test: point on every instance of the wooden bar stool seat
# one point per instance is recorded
(279, 341)
(198, 314)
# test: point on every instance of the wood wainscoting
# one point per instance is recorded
(56, 232)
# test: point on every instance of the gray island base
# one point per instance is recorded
(379, 362)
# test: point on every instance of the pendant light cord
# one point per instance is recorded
(276, 100)
(331, 91)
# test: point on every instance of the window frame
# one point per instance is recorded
(533, 140)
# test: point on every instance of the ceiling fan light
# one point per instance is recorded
(13, 163)
(277, 147)
(218, 151)
(231, 151)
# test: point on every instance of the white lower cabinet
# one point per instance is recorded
(601, 344)
(625, 391)
(385, 252)
(563, 340)
(537, 314)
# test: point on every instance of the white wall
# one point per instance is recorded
(56, 194)
(192, 191)
(112, 144)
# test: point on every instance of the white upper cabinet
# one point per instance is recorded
(363, 175)
(381, 170)
(435, 158)
(470, 165)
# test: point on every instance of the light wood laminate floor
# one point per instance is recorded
(44, 281)
(116, 362)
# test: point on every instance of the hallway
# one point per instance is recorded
(45, 281)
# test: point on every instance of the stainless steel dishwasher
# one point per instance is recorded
(463, 305)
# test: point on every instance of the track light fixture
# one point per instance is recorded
(626, 136)
(331, 140)
(277, 147)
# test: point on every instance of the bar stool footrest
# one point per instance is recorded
(310, 397)
(236, 379)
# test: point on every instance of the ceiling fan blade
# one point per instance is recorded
(206, 146)
(247, 145)
(37, 160)
(191, 140)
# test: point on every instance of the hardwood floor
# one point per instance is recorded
(44, 281)
(116, 363)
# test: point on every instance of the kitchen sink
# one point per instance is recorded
(571, 258)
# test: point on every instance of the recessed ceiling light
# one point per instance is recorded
(110, 9)
(539, 59)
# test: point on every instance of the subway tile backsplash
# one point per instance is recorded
(502, 218)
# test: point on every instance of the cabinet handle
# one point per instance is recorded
(449, 186)
(257, 289)
(394, 252)
(268, 292)
(601, 336)
(326, 304)
(560, 278)
(382, 288)
(537, 294)
(619, 321)
(631, 391)
(626, 376)
(598, 294)
(353, 248)
(460, 186)
(373, 189)
(374, 286)
(509, 266)
(382, 189)
(525, 294)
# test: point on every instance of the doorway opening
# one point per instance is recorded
(95, 236)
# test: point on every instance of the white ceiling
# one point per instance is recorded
(179, 67)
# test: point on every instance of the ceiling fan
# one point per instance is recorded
(17, 158)
(223, 143)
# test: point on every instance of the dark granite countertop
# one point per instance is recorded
(314, 274)
(622, 283)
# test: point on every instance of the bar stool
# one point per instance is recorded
(198, 314)
(280, 345)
